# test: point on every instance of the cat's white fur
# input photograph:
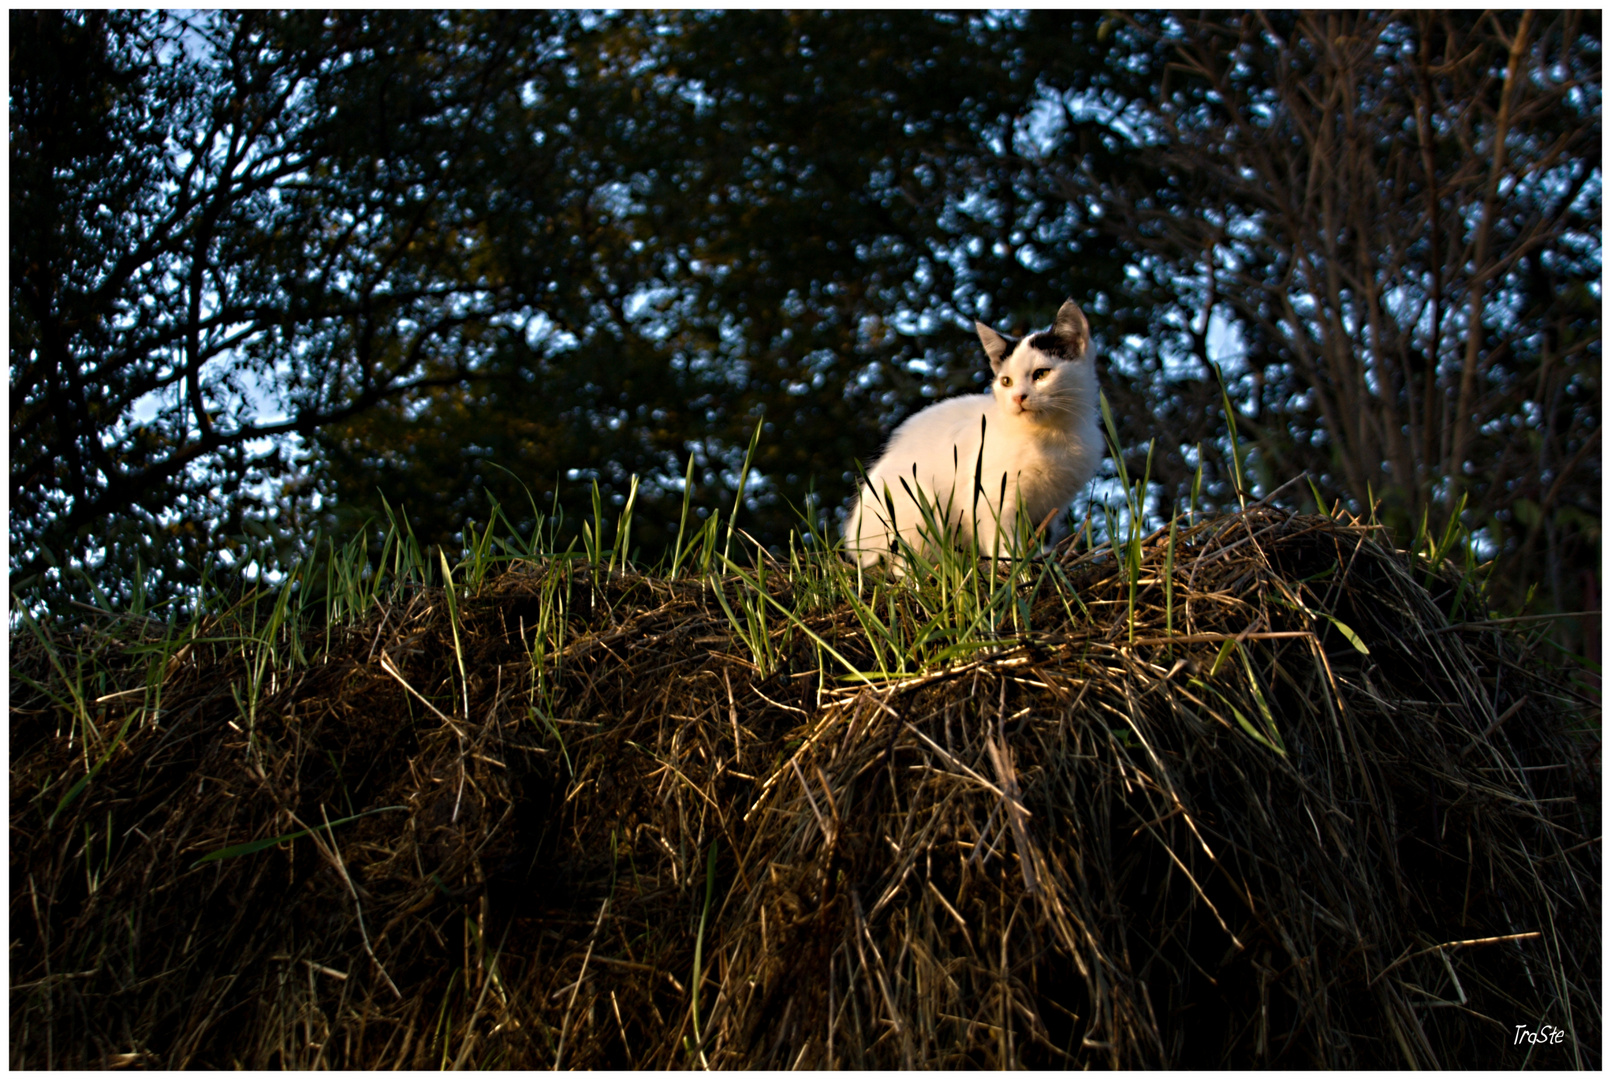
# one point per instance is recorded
(1042, 444)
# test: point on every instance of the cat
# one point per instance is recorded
(1041, 440)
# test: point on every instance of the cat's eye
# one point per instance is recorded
(1041, 373)
(1006, 380)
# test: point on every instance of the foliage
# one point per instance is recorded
(269, 270)
(227, 230)
(1398, 217)
(777, 230)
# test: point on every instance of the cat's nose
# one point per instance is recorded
(1019, 399)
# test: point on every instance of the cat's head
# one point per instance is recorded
(1045, 377)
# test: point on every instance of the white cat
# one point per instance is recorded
(1041, 439)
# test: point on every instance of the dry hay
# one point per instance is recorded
(1075, 850)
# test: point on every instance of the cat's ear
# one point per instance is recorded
(995, 346)
(1071, 329)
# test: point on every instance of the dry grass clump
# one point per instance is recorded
(1255, 792)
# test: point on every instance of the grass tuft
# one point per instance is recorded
(1258, 789)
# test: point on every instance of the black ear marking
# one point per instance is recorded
(1069, 336)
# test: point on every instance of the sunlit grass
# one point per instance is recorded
(521, 625)
(935, 605)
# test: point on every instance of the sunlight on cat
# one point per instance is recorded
(972, 466)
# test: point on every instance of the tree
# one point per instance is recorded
(300, 261)
(782, 223)
(227, 230)
(269, 268)
(1399, 217)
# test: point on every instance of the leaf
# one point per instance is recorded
(1347, 632)
(1247, 726)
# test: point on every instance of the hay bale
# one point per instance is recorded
(1284, 812)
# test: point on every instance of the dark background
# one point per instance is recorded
(268, 267)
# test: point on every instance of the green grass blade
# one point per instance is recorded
(743, 479)
(699, 942)
(251, 847)
(682, 523)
